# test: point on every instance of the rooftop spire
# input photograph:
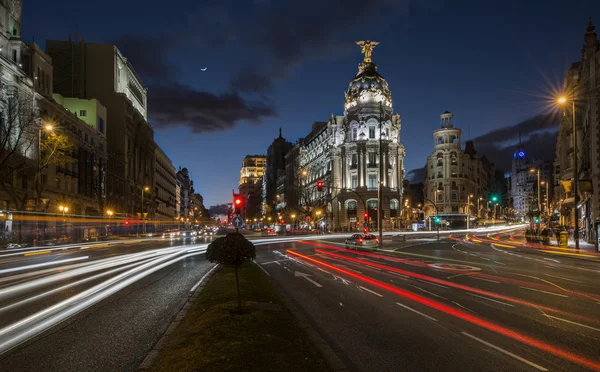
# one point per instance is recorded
(280, 133)
(590, 27)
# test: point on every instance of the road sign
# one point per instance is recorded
(237, 221)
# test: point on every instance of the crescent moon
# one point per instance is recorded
(204, 69)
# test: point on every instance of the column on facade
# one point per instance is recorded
(336, 174)
(359, 157)
(386, 167)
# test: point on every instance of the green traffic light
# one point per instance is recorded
(494, 198)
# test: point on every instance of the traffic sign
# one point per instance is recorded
(237, 221)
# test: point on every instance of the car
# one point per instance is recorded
(269, 232)
(169, 234)
(365, 240)
(187, 234)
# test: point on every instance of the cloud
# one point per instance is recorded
(180, 105)
(529, 126)
(219, 209)
(416, 175)
(249, 80)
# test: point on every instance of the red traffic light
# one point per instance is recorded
(320, 185)
(238, 201)
(366, 216)
(126, 222)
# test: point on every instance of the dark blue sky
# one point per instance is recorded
(273, 64)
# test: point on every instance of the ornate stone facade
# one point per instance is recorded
(344, 154)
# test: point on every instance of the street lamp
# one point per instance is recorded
(479, 206)
(64, 209)
(547, 198)
(469, 209)
(562, 100)
(537, 171)
(109, 213)
(145, 188)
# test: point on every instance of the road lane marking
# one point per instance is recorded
(490, 299)
(506, 352)
(431, 293)
(417, 312)
(370, 291)
(572, 322)
(202, 279)
(457, 304)
(397, 274)
(37, 253)
(306, 276)
(271, 262)
(499, 263)
(435, 284)
(262, 268)
(487, 280)
(503, 245)
(550, 293)
(27, 267)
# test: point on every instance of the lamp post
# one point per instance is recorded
(563, 100)
(47, 128)
(479, 206)
(145, 188)
(64, 210)
(539, 202)
(469, 209)
(436, 217)
(294, 220)
(547, 200)
(379, 189)
(109, 213)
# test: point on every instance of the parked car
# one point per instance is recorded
(269, 232)
(365, 240)
(168, 234)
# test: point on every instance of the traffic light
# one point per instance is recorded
(438, 220)
(494, 198)
(366, 216)
(126, 222)
(320, 186)
(238, 203)
(537, 220)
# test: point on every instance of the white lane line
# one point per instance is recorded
(417, 312)
(487, 259)
(490, 299)
(262, 268)
(431, 293)
(370, 291)
(506, 352)
(499, 263)
(435, 284)
(51, 263)
(487, 280)
(572, 322)
(397, 274)
(456, 303)
(550, 293)
(563, 278)
(203, 278)
(271, 262)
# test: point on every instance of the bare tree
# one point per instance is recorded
(20, 131)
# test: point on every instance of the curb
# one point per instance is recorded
(155, 351)
(330, 356)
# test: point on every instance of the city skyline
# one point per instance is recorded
(471, 64)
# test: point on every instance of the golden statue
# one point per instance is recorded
(367, 48)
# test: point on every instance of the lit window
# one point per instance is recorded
(371, 132)
(82, 112)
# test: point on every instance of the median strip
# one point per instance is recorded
(264, 337)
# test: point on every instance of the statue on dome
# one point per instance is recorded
(367, 48)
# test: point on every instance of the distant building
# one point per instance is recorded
(165, 188)
(186, 190)
(274, 168)
(250, 186)
(524, 183)
(452, 174)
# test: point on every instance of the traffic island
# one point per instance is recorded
(215, 336)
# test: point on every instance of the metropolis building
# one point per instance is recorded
(344, 154)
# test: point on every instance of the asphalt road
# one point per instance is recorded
(483, 304)
(476, 303)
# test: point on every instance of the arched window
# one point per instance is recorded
(440, 141)
(394, 204)
(372, 204)
(440, 155)
(454, 196)
(351, 205)
(454, 185)
(354, 131)
(440, 186)
(440, 162)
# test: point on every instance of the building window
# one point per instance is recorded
(352, 205)
(14, 55)
(353, 134)
(100, 125)
(86, 138)
(354, 181)
(82, 113)
(440, 140)
(371, 132)
(454, 196)
(372, 181)
(372, 158)
(354, 161)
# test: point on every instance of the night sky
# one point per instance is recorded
(271, 64)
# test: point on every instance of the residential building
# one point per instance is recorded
(452, 174)
(582, 86)
(186, 190)
(99, 71)
(165, 185)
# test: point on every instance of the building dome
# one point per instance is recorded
(368, 86)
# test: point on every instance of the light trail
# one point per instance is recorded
(473, 319)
